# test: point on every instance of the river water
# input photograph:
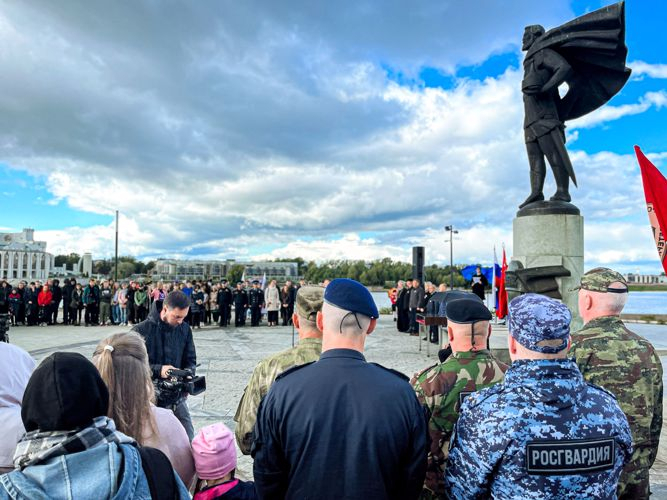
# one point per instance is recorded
(638, 303)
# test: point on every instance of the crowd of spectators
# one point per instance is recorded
(108, 302)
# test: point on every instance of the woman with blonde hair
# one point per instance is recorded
(122, 361)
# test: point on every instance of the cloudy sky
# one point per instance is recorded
(265, 129)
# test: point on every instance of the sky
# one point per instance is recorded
(323, 130)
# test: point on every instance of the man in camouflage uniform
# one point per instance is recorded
(625, 364)
(308, 303)
(544, 432)
(442, 387)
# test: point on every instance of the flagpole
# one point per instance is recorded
(493, 284)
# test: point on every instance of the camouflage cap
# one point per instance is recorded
(536, 321)
(309, 301)
(599, 279)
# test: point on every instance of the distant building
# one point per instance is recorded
(645, 279)
(280, 271)
(183, 270)
(23, 258)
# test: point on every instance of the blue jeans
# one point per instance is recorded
(122, 313)
(115, 313)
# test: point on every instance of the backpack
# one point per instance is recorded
(159, 474)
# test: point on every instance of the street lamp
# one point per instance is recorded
(451, 254)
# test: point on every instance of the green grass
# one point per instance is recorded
(648, 288)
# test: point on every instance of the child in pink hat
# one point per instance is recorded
(214, 452)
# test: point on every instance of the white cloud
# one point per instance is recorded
(641, 69)
(609, 113)
(245, 129)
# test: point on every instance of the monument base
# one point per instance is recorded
(553, 240)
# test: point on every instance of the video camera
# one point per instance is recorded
(4, 327)
(179, 383)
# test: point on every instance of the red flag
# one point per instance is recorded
(655, 189)
(502, 294)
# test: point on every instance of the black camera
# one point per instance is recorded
(5, 321)
(172, 390)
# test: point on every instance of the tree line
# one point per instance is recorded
(385, 272)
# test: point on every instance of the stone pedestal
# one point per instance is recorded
(553, 240)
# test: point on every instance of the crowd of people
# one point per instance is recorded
(575, 415)
(108, 302)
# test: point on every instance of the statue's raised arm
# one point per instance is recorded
(589, 55)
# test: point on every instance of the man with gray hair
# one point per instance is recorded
(610, 355)
(341, 427)
(309, 348)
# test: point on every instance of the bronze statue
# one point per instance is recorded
(588, 53)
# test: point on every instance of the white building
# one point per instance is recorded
(23, 258)
(646, 279)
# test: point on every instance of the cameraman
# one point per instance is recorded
(169, 344)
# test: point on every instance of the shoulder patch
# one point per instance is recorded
(293, 369)
(391, 370)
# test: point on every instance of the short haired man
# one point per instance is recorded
(225, 303)
(308, 304)
(544, 432)
(415, 303)
(240, 299)
(341, 427)
(625, 364)
(170, 345)
(443, 387)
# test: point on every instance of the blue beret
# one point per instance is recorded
(533, 318)
(467, 310)
(351, 296)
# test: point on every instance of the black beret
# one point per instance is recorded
(255, 282)
(64, 393)
(467, 310)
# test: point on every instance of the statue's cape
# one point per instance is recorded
(594, 45)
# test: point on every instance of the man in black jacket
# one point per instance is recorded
(170, 345)
(224, 303)
(57, 294)
(416, 298)
(67, 290)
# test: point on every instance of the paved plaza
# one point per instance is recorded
(228, 356)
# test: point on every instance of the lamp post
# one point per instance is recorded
(452, 232)
(115, 273)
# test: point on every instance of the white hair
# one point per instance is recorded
(615, 302)
(337, 320)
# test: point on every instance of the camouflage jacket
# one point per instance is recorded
(265, 373)
(611, 356)
(541, 433)
(441, 388)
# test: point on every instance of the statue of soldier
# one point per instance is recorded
(588, 53)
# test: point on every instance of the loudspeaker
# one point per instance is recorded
(418, 264)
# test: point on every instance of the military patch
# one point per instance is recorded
(547, 458)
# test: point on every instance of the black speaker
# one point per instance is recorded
(418, 264)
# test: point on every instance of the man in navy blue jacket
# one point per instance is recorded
(341, 427)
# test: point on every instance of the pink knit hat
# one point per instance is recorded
(214, 451)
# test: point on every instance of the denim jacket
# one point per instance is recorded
(108, 471)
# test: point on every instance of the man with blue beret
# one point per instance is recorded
(341, 427)
(544, 432)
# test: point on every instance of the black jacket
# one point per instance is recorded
(297, 418)
(167, 345)
(224, 297)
